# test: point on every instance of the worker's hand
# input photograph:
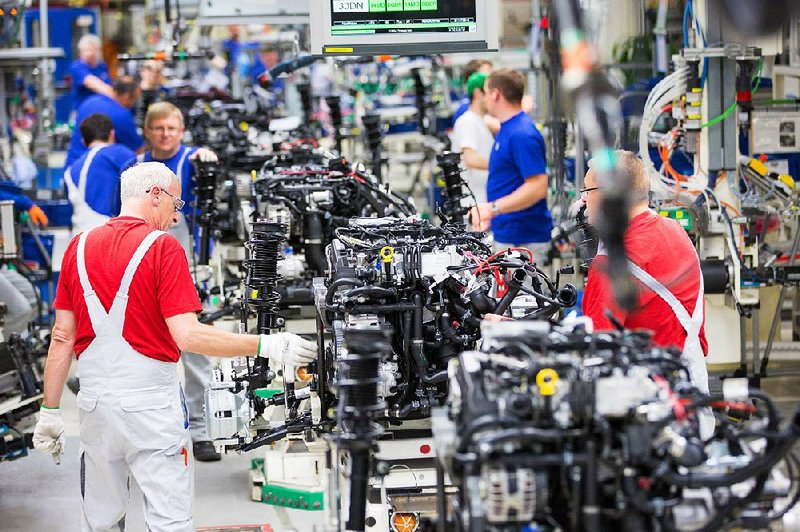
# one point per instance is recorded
(287, 349)
(481, 216)
(492, 123)
(496, 317)
(37, 216)
(204, 155)
(48, 436)
(527, 104)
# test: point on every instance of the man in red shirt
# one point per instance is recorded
(126, 305)
(664, 262)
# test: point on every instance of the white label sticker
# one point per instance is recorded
(351, 6)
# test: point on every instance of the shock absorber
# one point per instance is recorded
(304, 90)
(357, 408)
(264, 250)
(373, 130)
(421, 102)
(207, 177)
(335, 110)
(450, 164)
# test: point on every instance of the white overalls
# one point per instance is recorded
(84, 218)
(132, 421)
(197, 368)
(692, 355)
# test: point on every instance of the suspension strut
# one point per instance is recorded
(450, 164)
(207, 177)
(264, 250)
(373, 129)
(335, 110)
(358, 406)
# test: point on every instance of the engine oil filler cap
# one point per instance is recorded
(546, 380)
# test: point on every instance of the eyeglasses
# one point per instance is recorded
(587, 190)
(162, 130)
(176, 202)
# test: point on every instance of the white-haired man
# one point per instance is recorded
(126, 305)
(665, 264)
(89, 72)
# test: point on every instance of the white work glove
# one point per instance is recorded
(287, 349)
(204, 155)
(48, 436)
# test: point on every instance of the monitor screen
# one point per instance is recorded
(402, 16)
(396, 27)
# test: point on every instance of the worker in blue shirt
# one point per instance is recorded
(89, 72)
(483, 66)
(93, 180)
(164, 128)
(517, 185)
(118, 109)
(231, 47)
(11, 192)
(267, 59)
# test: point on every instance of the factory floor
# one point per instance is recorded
(37, 496)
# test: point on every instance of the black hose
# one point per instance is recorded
(345, 281)
(314, 243)
(370, 291)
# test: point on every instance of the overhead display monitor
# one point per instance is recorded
(403, 27)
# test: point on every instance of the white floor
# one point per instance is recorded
(38, 496)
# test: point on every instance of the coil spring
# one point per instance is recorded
(335, 107)
(207, 176)
(373, 131)
(358, 382)
(450, 164)
(304, 90)
(265, 247)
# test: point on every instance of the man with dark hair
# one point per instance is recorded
(517, 185)
(93, 179)
(484, 66)
(118, 109)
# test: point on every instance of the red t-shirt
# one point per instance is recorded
(660, 247)
(161, 288)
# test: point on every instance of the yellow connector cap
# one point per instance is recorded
(546, 380)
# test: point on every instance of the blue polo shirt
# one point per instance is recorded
(79, 71)
(518, 153)
(186, 175)
(102, 180)
(124, 127)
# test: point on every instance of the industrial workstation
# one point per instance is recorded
(399, 265)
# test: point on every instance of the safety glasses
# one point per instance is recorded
(176, 202)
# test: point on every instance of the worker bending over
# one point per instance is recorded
(663, 260)
(93, 179)
(89, 73)
(118, 109)
(126, 305)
